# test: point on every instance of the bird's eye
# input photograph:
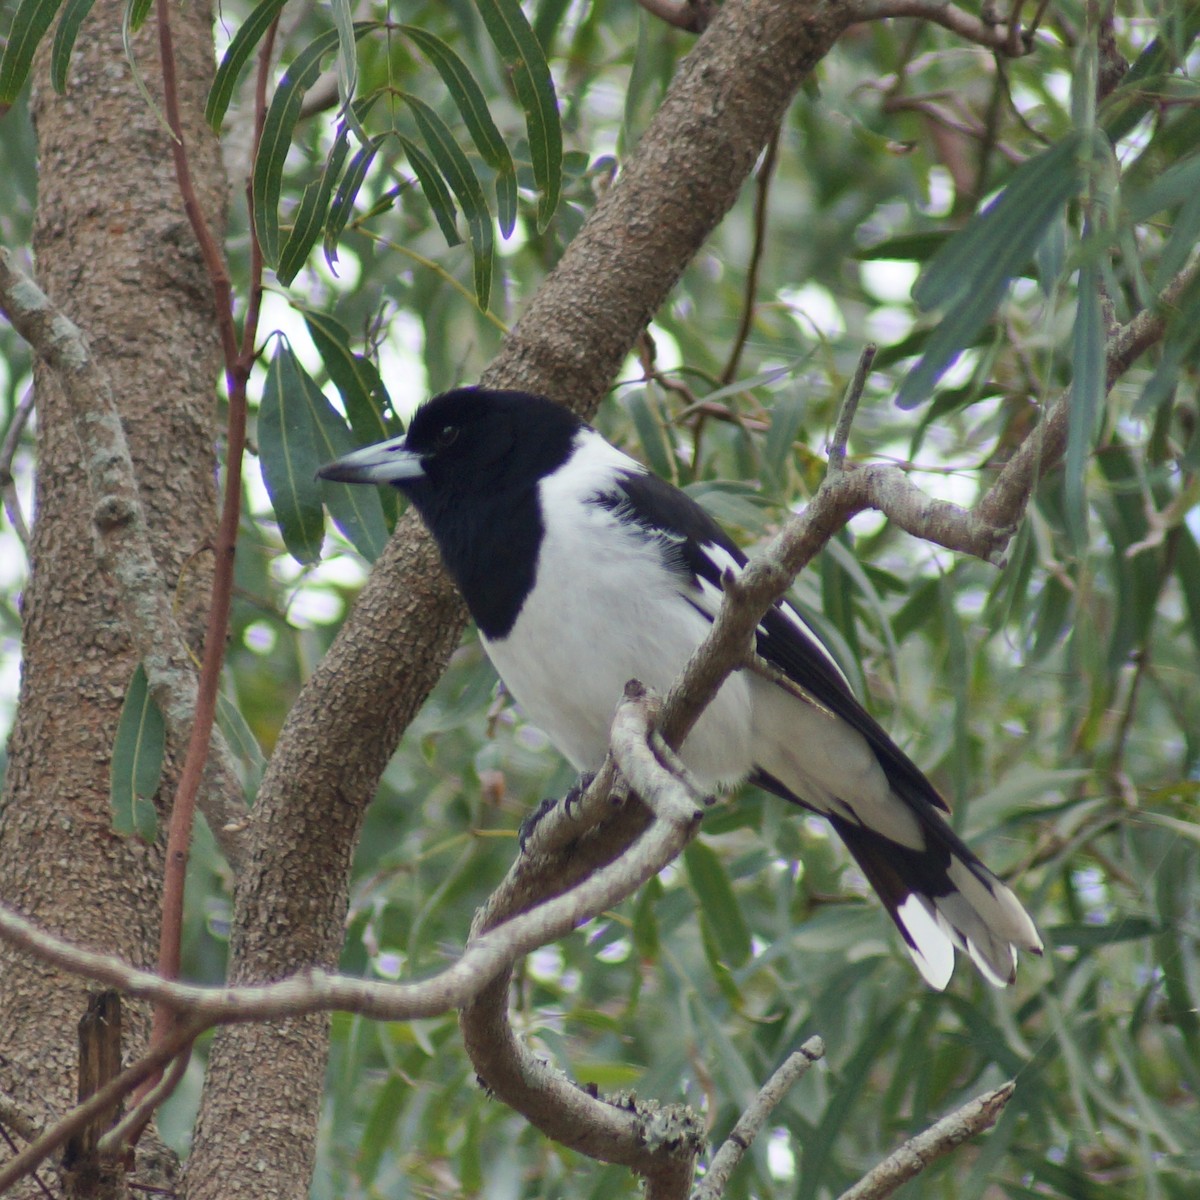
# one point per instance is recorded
(445, 437)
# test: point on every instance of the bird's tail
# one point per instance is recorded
(942, 896)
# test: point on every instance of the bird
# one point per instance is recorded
(582, 570)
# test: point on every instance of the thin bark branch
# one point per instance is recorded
(237, 372)
(749, 1126)
(677, 812)
(692, 16)
(12, 439)
(124, 545)
(1000, 38)
(83, 1114)
(659, 1143)
(762, 194)
(937, 1141)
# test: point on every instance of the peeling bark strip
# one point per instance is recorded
(99, 1064)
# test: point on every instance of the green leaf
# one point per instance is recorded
(645, 924)
(288, 456)
(652, 435)
(787, 415)
(358, 382)
(971, 273)
(249, 33)
(314, 207)
(1087, 397)
(137, 12)
(456, 169)
(472, 104)
(437, 194)
(1140, 91)
(73, 15)
(355, 510)
(310, 218)
(347, 193)
(137, 759)
(1187, 570)
(29, 25)
(241, 739)
(277, 136)
(522, 55)
(342, 14)
(718, 903)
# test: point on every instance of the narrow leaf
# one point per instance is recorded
(437, 194)
(456, 169)
(277, 138)
(472, 104)
(356, 511)
(1087, 397)
(137, 759)
(347, 58)
(314, 208)
(971, 273)
(288, 455)
(137, 12)
(522, 54)
(73, 15)
(29, 25)
(240, 737)
(718, 903)
(249, 33)
(347, 193)
(358, 382)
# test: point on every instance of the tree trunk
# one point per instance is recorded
(114, 249)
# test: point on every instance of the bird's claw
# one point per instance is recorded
(570, 800)
(532, 821)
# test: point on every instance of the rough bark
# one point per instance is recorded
(113, 247)
(728, 97)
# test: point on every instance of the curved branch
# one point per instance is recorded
(658, 1143)
(938, 1140)
(997, 37)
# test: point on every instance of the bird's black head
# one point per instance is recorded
(471, 462)
(471, 442)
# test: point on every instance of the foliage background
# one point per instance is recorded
(1054, 702)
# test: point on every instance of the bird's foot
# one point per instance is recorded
(570, 800)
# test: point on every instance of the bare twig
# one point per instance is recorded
(849, 406)
(83, 1114)
(129, 1128)
(121, 524)
(12, 439)
(750, 1124)
(968, 26)
(917, 1153)
(39, 1182)
(762, 194)
(237, 370)
(692, 16)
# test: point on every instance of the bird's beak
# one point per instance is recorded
(385, 462)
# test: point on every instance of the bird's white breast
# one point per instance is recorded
(605, 608)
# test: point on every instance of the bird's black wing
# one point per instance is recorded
(702, 549)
